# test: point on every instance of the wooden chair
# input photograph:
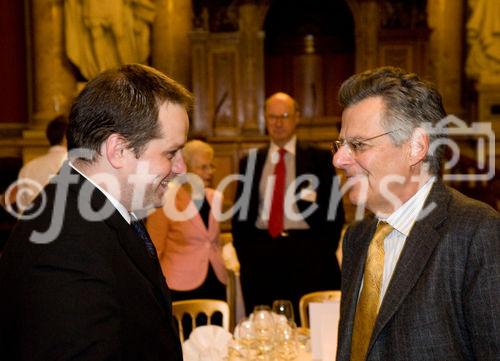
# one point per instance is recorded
(319, 296)
(231, 298)
(195, 307)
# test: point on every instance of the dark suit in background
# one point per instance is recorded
(93, 293)
(302, 261)
(443, 301)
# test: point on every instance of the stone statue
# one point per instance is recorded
(483, 37)
(104, 34)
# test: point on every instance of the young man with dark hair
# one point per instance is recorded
(80, 277)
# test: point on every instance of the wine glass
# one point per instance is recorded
(235, 351)
(245, 331)
(285, 308)
(287, 346)
(245, 336)
(263, 323)
(261, 308)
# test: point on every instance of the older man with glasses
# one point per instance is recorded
(421, 278)
(285, 237)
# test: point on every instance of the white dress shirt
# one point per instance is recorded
(266, 186)
(402, 220)
(116, 203)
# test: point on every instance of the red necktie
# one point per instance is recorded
(277, 206)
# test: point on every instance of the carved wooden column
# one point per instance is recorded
(366, 15)
(308, 80)
(171, 50)
(228, 78)
(252, 56)
(201, 119)
(55, 84)
(445, 19)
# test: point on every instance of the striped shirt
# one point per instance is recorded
(402, 220)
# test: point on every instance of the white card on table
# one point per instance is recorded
(324, 323)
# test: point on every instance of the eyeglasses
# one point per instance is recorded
(283, 116)
(205, 167)
(356, 146)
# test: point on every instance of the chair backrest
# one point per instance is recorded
(231, 298)
(195, 307)
(319, 296)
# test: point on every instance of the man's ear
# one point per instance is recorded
(297, 117)
(419, 145)
(115, 148)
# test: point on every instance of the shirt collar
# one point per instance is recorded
(119, 207)
(289, 146)
(405, 216)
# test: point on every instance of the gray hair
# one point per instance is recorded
(409, 101)
(195, 147)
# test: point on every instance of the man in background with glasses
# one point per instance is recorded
(421, 279)
(286, 242)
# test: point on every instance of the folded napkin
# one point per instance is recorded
(206, 343)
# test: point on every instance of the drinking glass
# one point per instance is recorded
(245, 336)
(287, 346)
(262, 308)
(263, 323)
(245, 332)
(285, 308)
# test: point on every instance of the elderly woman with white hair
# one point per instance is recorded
(186, 232)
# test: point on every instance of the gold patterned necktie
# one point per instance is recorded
(369, 299)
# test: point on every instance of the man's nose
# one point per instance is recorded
(342, 157)
(179, 166)
(278, 121)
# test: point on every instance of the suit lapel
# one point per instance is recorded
(301, 160)
(184, 203)
(302, 167)
(128, 239)
(358, 267)
(259, 164)
(136, 251)
(417, 250)
(198, 223)
(351, 289)
(259, 168)
(212, 222)
(134, 248)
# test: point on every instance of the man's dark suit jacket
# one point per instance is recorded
(303, 262)
(93, 293)
(443, 301)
